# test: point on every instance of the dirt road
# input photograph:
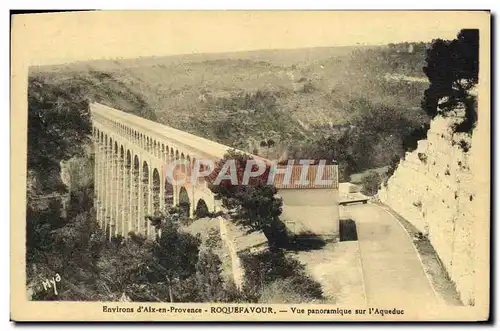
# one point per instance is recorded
(392, 271)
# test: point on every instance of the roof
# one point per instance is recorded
(316, 177)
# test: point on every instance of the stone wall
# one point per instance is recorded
(434, 188)
(236, 268)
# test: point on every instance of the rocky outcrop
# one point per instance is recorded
(434, 188)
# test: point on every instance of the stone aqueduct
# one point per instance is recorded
(130, 179)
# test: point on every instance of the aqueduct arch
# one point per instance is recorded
(201, 209)
(184, 201)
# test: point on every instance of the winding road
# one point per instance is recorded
(392, 271)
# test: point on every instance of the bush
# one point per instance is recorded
(371, 183)
(286, 290)
(392, 167)
(422, 157)
(272, 276)
(209, 281)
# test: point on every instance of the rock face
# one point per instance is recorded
(78, 171)
(434, 188)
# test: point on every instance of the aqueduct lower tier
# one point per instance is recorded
(131, 154)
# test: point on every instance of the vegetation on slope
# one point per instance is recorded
(273, 277)
(243, 99)
(452, 68)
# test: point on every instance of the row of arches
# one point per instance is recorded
(155, 147)
(128, 189)
(121, 150)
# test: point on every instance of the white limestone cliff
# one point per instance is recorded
(435, 189)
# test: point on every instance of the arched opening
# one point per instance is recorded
(156, 192)
(183, 166)
(145, 192)
(135, 194)
(195, 168)
(115, 189)
(108, 152)
(176, 154)
(201, 209)
(154, 148)
(168, 193)
(189, 167)
(121, 192)
(129, 160)
(184, 203)
(128, 192)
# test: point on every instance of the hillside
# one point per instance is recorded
(304, 101)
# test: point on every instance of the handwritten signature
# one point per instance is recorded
(49, 283)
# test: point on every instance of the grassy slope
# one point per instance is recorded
(183, 91)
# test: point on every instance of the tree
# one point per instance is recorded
(208, 277)
(126, 269)
(175, 252)
(255, 205)
(452, 68)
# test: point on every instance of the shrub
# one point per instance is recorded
(422, 157)
(371, 183)
(410, 141)
(286, 290)
(209, 281)
(465, 146)
(272, 275)
(392, 167)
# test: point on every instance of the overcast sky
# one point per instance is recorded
(69, 37)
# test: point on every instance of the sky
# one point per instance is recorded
(67, 37)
